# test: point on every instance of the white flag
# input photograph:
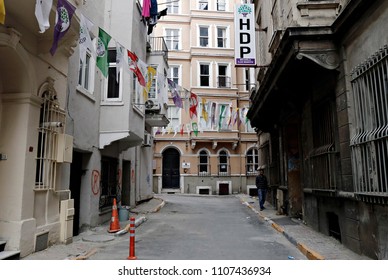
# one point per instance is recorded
(42, 13)
(120, 58)
(85, 42)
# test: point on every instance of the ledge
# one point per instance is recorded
(317, 5)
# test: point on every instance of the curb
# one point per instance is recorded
(310, 254)
(160, 206)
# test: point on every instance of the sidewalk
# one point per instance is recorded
(95, 239)
(314, 245)
(311, 243)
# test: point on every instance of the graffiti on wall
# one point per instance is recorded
(95, 178)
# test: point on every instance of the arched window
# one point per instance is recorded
(223, 163)
(252, 161)
(203, 166)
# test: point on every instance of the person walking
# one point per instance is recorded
(262, 187)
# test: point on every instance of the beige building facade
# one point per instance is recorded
(214, 151)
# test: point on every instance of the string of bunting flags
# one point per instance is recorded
(212, 115)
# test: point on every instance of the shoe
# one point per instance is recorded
(262, 208)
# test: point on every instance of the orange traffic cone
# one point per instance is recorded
(114, 222)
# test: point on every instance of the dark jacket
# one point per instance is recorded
(261, 182)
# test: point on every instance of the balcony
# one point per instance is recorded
(157, 46)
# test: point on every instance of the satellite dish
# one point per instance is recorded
(149, 104)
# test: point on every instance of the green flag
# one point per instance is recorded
(194, 125)
(102, 51)
(222, 116)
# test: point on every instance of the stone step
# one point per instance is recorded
(10, 255)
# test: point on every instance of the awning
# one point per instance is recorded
(283, 82)
(124, 140)
(156, 120)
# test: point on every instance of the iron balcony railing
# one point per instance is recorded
(157, 45)
(251, 169)
(204, 170)
(223, 82)
(223, 169)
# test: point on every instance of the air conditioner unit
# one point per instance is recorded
(152, 106)
(147, 140)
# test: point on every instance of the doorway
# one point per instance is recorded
(75, 187)
(126, 184)
(171, 173)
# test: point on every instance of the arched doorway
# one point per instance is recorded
(171, 175)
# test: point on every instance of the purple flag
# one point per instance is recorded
(175, 94)
(65, 12)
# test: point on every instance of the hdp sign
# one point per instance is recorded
(245, 47)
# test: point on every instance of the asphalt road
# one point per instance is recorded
(204, 228)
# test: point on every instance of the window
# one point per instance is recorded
(252, 161)
(223, 80)
(203, 5)
(86, 71)
(221, 37)
(113, 85)
(204, 36)
(221, 5)
(50, 117)
(204, 74)
(173, 115)
(172, 7)
(204, 167)
(172, 39)
(369, 142)
(137, 92)
(223, 163)
(174, 74)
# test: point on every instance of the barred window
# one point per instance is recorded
(322, 158)
(369, 144)
(52, 123)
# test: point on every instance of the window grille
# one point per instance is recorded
(52, 123)
(369, 144)
(321, 159)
